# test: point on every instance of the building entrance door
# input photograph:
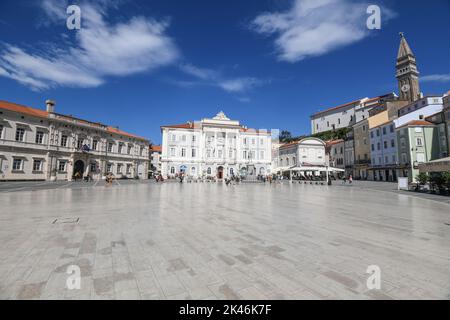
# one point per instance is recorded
(220, 172)
(78, 169)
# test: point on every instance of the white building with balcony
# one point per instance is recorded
(38, 144)
(215, 148)
(345, 115)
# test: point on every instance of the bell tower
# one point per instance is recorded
(407, 74)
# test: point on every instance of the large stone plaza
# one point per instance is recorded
(142, 240)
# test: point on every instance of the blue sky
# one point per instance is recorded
(268, 63)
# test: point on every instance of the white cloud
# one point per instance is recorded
(240, 84)
(215, 78)
(436, 78)
(100, 50)
(315, 27)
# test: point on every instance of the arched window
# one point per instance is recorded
(193, 170)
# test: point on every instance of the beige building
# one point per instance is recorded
(362, 149)
(38, 144)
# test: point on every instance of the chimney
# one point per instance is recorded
(50, 106)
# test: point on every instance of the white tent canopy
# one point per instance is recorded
(304, 169)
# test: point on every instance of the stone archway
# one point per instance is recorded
(78, 169)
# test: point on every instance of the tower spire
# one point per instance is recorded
(404, 50)
(407, 74)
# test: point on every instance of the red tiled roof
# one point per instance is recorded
(333, 142)
(338, 107)
(187, 125)
(349, 104)
(417, 123)
(123, 133)
(5, 105)
(156, 148)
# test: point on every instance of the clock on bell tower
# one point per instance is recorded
(407, 74)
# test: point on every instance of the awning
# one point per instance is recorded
(438, 165)
(303, 169)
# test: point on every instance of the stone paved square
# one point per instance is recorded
(142, 240)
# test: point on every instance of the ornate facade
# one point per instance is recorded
(40, 144)
(217, 147)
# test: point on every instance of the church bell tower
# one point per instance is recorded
(407, 74)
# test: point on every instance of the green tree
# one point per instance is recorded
(285, 136)
(422, 178)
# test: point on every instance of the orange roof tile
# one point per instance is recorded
(348, 104)
(338, 107)
(333, 142)
(187, 125)
(417, 123)
(156, 148)
(123, 133)
(5, 105)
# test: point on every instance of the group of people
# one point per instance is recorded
(349, 179)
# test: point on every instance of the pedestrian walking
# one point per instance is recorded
(350, 179)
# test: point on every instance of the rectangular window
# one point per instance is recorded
(384, 130)
(39, 137)
(119, 149)
(129, 149)
(371, 134)
(94, 144)
(193, 154)
(378, 146)
(391, 127)
(128, 168)
(244, 154)
(63, 140)
(172, 152)
(17, 164)
(37, 165)
(20, 133)
(110, 147)
(230, 154)
(93, 167)
(385, 144)
(373, 147)
(392, 143)
(79, 143)
(119, 168)
(109, 168)
(1, 131)
(419, 142)
(193, 138)
(62, 166)
(404, 159)
(183, 152)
